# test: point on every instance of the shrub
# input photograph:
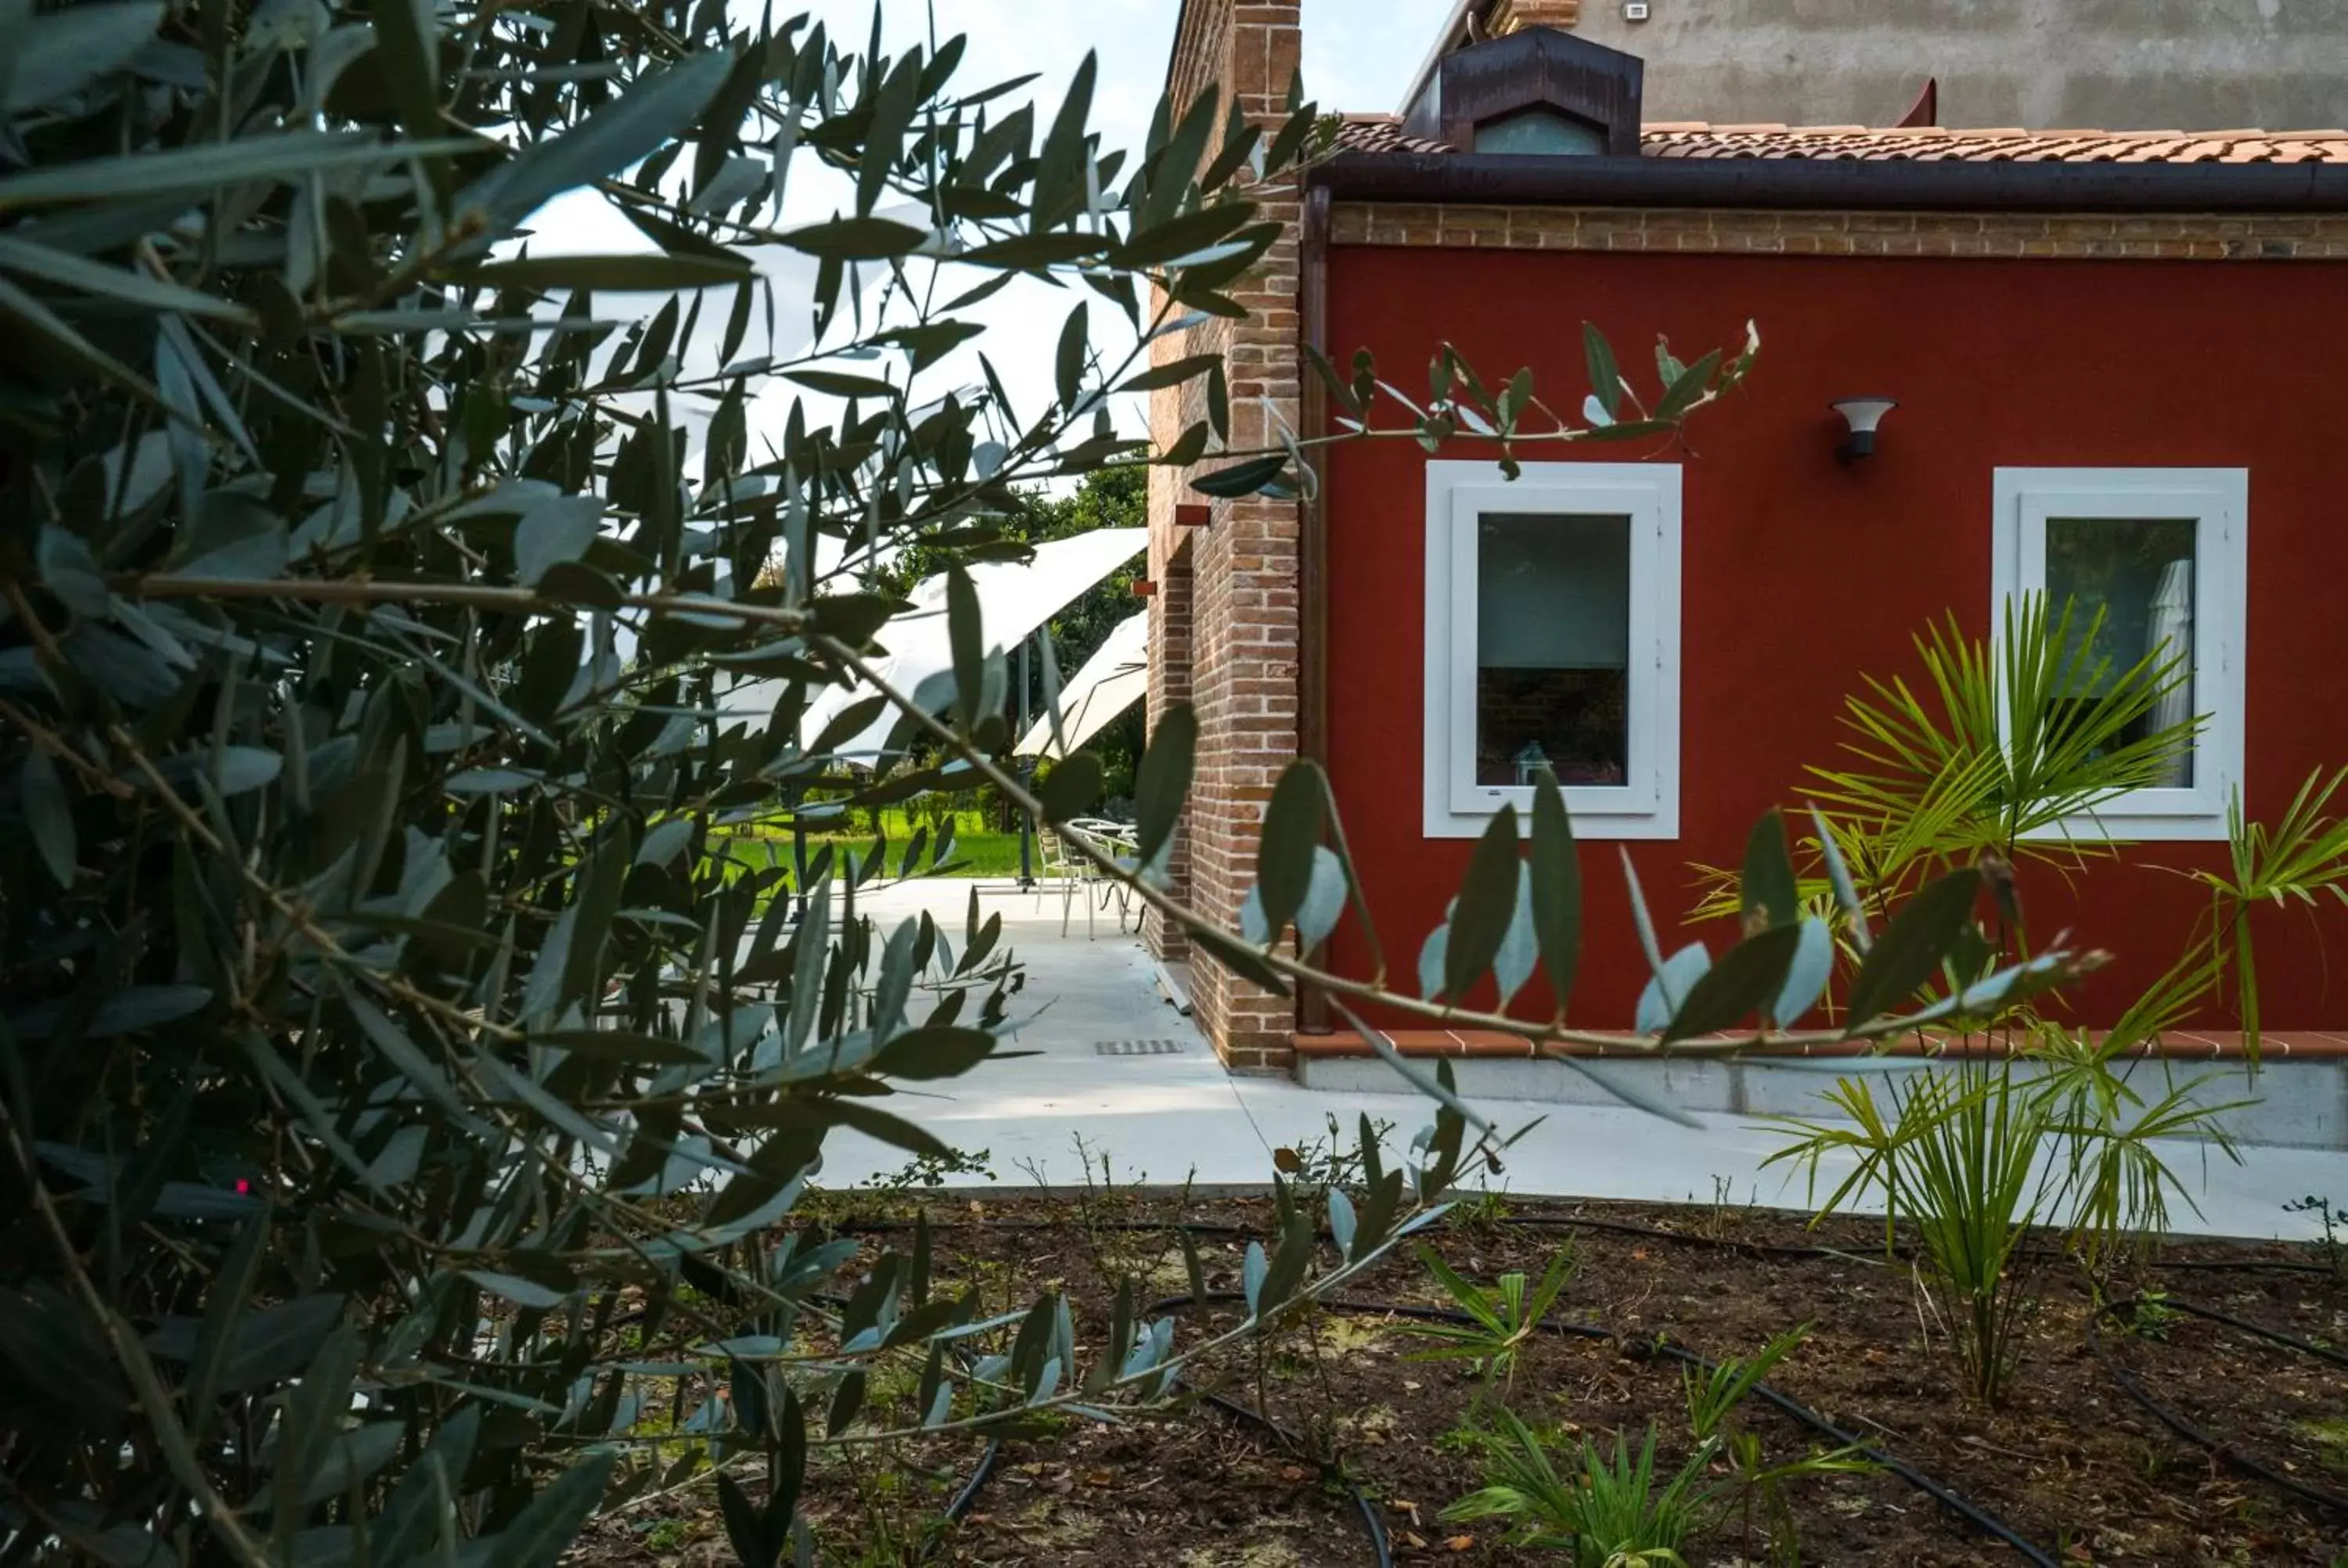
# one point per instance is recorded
(394, 1064)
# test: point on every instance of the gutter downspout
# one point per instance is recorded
(1312, 532)
(1453, 33)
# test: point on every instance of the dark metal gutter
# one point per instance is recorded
(1833, 184)
(1313, 540)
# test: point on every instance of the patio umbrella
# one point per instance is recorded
(1013, 600)
(1112, 680)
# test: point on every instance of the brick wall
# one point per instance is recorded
(2087, 236)
(1170, 685)
(1224, 624)
(1235, 579)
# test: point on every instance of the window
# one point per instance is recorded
(1539, 130)
(1553, 639)
(2162, 554)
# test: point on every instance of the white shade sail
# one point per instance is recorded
(1112, 680)
(1013, 600)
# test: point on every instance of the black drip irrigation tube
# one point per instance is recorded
(2219, 1447)
(1658, 1348)
(1571, 1221)
(1363, 1508)
(981, 1473)
(1902, 1252)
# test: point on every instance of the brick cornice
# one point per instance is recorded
(2018, 236)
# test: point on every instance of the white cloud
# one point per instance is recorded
(1358, 55)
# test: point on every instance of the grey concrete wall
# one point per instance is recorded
(2296, 1104)
(2113, 65)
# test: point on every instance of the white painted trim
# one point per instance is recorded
(2218, 502)
(1458, 493)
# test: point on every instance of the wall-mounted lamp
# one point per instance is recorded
(1862, 415)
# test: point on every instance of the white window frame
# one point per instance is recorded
(2217, 501)
(1458, 494)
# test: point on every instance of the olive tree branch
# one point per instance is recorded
(1298, 970)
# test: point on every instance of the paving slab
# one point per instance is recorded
(1171, 1114)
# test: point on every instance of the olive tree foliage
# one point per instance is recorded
(406, 1099)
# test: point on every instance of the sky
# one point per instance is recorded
(1359, 55)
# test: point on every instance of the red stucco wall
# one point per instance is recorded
(1801, 574)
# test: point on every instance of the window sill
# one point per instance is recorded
(1594, 826)
(2096, 829)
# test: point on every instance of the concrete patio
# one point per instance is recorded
(1117, 1066)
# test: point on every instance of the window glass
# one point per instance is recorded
(1539, 130)
(2138, 574)
(1553, 649)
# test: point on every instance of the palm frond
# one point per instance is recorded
(1995, 746)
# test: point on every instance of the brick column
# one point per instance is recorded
(1241, 586)
(1169, 684)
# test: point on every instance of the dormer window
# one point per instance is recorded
(1539, 130)
(1535, 91)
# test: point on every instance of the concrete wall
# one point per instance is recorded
(2113, 65)
(2293, 1104)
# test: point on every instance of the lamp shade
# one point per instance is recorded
(1864, 414)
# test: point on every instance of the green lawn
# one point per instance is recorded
(975, 854)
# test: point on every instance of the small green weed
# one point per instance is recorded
(1613, 1509)
(1312, 1166)
(2334, 1218)
(1502, 1318)
(925, 1172)
(2330, 1436)
(2150, 1317)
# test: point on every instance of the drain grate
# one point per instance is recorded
(1138, 1047)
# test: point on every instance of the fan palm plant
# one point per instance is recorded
(2302, 859)
(1956, 1155)
(2001, 751)
(1501, 1318)
(1992, 751)
(1611, 1514)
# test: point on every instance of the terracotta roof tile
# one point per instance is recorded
(1369, 134)
(1998, 145)
(1931, 144)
